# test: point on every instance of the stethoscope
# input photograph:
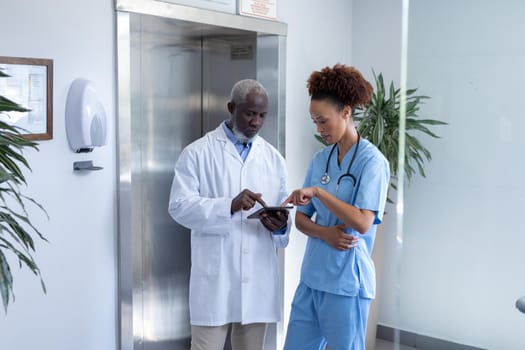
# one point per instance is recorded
(325, 179)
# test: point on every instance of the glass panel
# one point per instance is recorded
(462, 265)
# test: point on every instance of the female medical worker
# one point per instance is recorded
(346, 188)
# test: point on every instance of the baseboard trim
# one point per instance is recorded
(419, 341)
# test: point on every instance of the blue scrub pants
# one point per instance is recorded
(318, 318)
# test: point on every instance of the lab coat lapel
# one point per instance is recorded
(255, 150)
(228, 146)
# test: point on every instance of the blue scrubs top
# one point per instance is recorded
(350, 272)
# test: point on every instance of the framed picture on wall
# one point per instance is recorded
(29, 83)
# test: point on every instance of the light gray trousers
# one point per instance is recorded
(243, 337)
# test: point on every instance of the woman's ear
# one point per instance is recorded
(347, 112)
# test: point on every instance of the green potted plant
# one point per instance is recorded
(16, 229)
(378, 122)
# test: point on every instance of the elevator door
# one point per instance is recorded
(181, 76)
(166, 115)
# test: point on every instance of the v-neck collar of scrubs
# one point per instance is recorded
(346, 158)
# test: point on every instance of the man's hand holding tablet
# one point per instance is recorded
(273, 218)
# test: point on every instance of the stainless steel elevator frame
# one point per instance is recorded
(270, 39)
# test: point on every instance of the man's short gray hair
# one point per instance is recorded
(242, 88)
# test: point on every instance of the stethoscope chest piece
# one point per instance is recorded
(325, 179)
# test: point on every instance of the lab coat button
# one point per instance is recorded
(245, 280)
(245, 251)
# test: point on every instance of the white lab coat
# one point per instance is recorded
(234, 265)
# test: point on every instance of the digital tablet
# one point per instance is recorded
(255, 214)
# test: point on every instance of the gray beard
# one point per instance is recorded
(240, 136)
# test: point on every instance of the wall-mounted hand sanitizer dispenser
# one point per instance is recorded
(86, 122)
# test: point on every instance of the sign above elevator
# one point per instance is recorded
(266, 9)
(228, 6)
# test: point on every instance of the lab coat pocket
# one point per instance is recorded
(206, 255)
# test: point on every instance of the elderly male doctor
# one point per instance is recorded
(219, 180)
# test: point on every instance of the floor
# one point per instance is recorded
(386, 345)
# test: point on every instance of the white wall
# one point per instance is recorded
(376, 38)
(79, 263)
(462, 267)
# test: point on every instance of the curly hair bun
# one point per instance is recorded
(344, 83)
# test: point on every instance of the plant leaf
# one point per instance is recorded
(7, 105)
(6, 281)
(320, 139)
